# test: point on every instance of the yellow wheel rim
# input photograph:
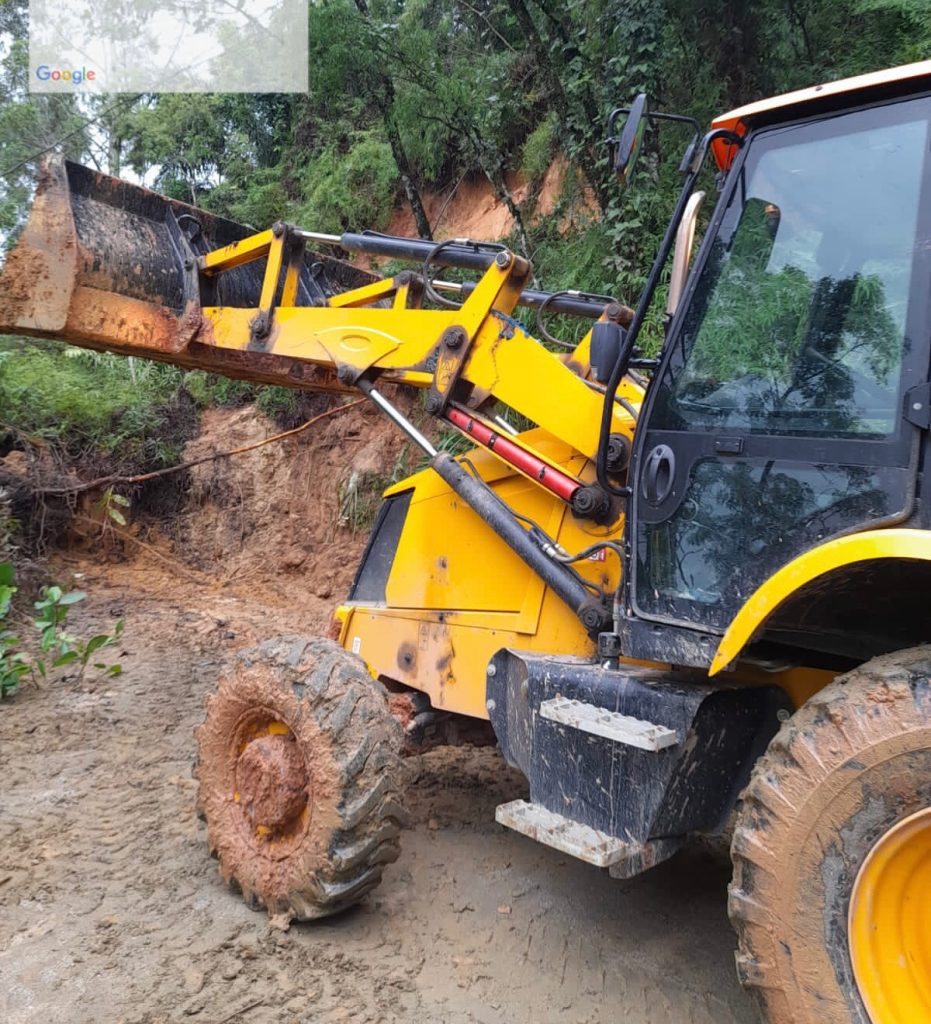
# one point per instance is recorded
(890, 924)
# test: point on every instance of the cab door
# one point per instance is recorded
(779, 415)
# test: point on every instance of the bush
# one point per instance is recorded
(57, 648)
(90, 405)
(351, 190)
(287, 407)
(211, 389)
(255, 197)
(539, 149)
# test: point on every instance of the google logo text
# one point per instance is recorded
(76, 76)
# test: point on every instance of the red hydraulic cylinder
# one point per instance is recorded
(554, 480)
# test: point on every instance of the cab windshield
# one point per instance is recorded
(798, 321)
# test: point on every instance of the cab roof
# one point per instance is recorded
(741, 119)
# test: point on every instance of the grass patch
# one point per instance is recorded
(132, 415)
(91, 406)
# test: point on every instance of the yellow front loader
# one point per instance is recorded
(688, 598)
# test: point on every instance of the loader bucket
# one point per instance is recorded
(105, 264)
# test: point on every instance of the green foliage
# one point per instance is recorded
(13, 663)
(437, 89)
(28, 122)
(57, 648)
(60, 648)
(278, 404)
(90, 404)
(210, 389)
(360, 493)
(427, 91)
(351, 190)
(9, 526)
(185, 135)
(539, 149)
(251, 196)
(7, 588)
(111, 505)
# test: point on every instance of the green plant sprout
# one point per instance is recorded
(58, 647)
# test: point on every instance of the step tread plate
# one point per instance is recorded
(610, 725)
(561, 833)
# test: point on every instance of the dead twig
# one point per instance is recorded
(123, 535)
(138, 478)
(241, 1010)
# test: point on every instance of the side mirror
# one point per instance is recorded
(631, 138)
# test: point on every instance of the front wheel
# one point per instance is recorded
(299, 777)
(831, 896)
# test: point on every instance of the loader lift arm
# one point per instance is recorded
(112, 266)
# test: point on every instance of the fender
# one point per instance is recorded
(857, 547)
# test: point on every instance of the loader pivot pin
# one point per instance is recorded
(272, 782)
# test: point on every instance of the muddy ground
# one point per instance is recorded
(111, 910)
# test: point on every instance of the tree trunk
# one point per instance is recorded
(385, 101)
(407, 179)
(504, 194)
(114, 154)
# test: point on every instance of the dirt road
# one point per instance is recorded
(111, 910)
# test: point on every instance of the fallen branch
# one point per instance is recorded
(138, 478)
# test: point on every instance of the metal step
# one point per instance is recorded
(623, 860)
(611, 725)
(561, 833)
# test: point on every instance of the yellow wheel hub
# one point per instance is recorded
(890, 924)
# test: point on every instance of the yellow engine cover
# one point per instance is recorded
(456, 593)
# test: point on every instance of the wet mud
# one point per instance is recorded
(112, 910)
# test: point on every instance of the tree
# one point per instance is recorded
(29, 124)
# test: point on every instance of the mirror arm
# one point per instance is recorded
(646, 297)
(652, 115)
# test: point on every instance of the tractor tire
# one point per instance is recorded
(852, 762)
(300, 778)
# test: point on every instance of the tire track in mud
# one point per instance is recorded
(111, 909)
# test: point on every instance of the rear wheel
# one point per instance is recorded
(299, 777)
(831, 895)
(890, 923)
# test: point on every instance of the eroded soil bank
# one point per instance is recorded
(111, 910)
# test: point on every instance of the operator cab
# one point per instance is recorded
(777, 418)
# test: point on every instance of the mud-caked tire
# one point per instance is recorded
(299, 777)
(848, 766)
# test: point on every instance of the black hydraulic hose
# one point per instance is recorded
(430, 260)
(646, 297)
(556, 302)
(548, 304)
(593, 614)
(468, 256)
